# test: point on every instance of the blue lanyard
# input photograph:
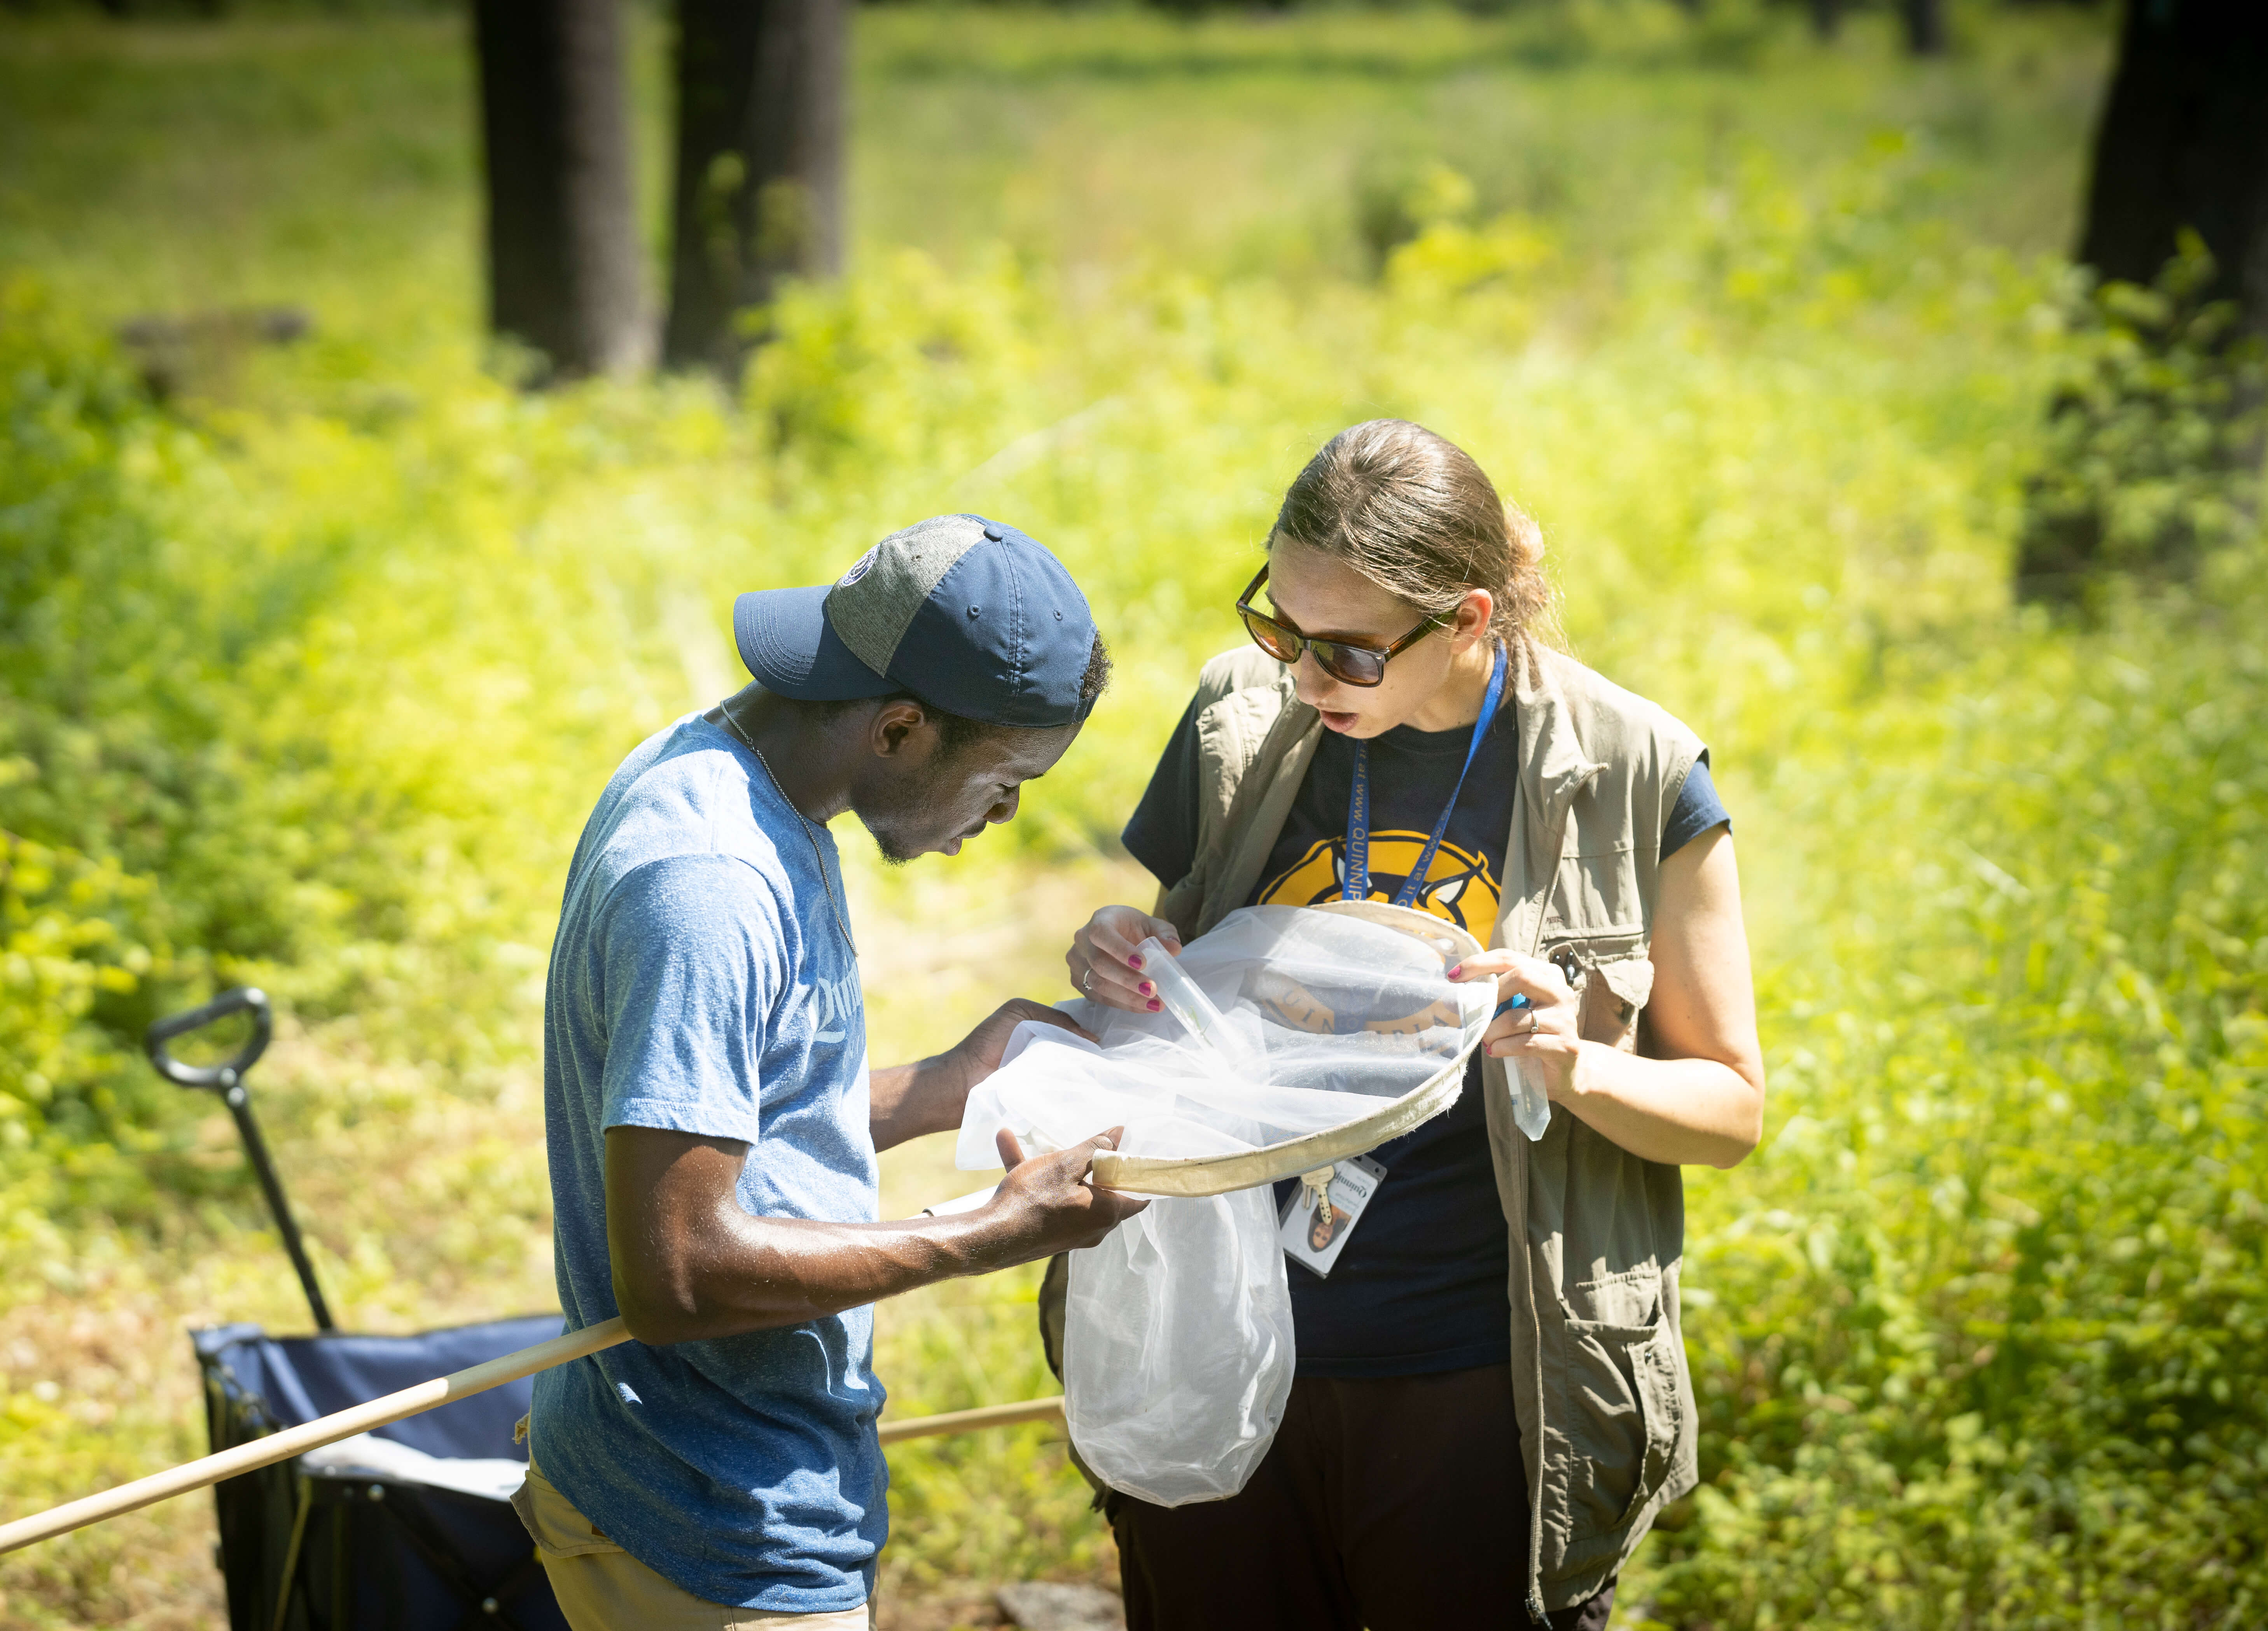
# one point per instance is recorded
(1357, 886)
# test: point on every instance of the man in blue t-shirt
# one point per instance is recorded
(711, 1119)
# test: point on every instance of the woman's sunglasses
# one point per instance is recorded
(1350, 665)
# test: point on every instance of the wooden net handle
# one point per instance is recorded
(295, 1441)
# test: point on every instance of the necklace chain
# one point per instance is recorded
(826, 883)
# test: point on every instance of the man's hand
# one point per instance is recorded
(1047, 1205)
(977, 1055)
(906, 1101)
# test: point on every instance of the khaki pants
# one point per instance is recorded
(603, 1588)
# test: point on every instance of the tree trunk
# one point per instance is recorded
(2182, 147)
(1826, 19)
(1925, 31)
(759, 190)
(2183, 142)
(563, 243)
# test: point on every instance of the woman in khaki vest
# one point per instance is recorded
(1493, 1399)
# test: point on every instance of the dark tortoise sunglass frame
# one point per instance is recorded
(1349, 664)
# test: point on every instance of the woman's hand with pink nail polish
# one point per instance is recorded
(1104, 965)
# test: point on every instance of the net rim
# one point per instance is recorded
(1191, 1176)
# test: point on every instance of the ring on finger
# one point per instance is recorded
(1087, 984)
(1535, 1023)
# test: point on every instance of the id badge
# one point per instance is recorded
(1313, 1235)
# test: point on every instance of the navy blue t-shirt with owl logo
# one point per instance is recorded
(1419, 1288)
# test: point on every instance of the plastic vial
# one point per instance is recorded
(1531, 1105)
(1186, 1001)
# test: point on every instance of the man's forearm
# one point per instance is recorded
(688, 1262)
(908, 1101)
(751, 1274)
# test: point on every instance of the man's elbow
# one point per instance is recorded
(658, 1311)
(660, 1307)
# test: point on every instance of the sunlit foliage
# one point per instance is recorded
(310, 675)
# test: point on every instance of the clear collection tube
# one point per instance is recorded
(1186, 1001)
(1531, 1105)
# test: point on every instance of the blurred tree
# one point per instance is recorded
(2155, 439)
(759, 189)
(1925, 31)
(563, 245)
(2184, 143)
(1826, 19)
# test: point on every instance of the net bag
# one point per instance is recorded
(1303, 1035)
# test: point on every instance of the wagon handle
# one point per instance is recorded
(227, 1079)
(221, 1076)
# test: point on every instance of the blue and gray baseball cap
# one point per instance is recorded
(969, 615)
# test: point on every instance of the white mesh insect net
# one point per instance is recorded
(1315, 1033)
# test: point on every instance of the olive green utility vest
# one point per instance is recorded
(1606, 1406)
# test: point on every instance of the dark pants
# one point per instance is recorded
(1396, 1503)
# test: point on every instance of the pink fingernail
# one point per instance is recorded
(1155, 1005)
(1458, 970)
(1133, 963)
(1147, 989)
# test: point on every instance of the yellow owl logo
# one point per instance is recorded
(1458, 885)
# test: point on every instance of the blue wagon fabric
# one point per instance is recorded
(342, 1550)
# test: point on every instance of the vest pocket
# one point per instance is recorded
(1621, 1415)
(1598, 891)
(1614, 978)
(1614, 996)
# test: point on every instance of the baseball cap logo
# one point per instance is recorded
(859, 568)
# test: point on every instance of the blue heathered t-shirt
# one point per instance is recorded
(700, 983)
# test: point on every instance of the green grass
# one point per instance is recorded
(311, 678)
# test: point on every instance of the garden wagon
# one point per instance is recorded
(408, 1526)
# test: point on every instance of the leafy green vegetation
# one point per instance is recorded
(310, 675)
(2156, 451)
